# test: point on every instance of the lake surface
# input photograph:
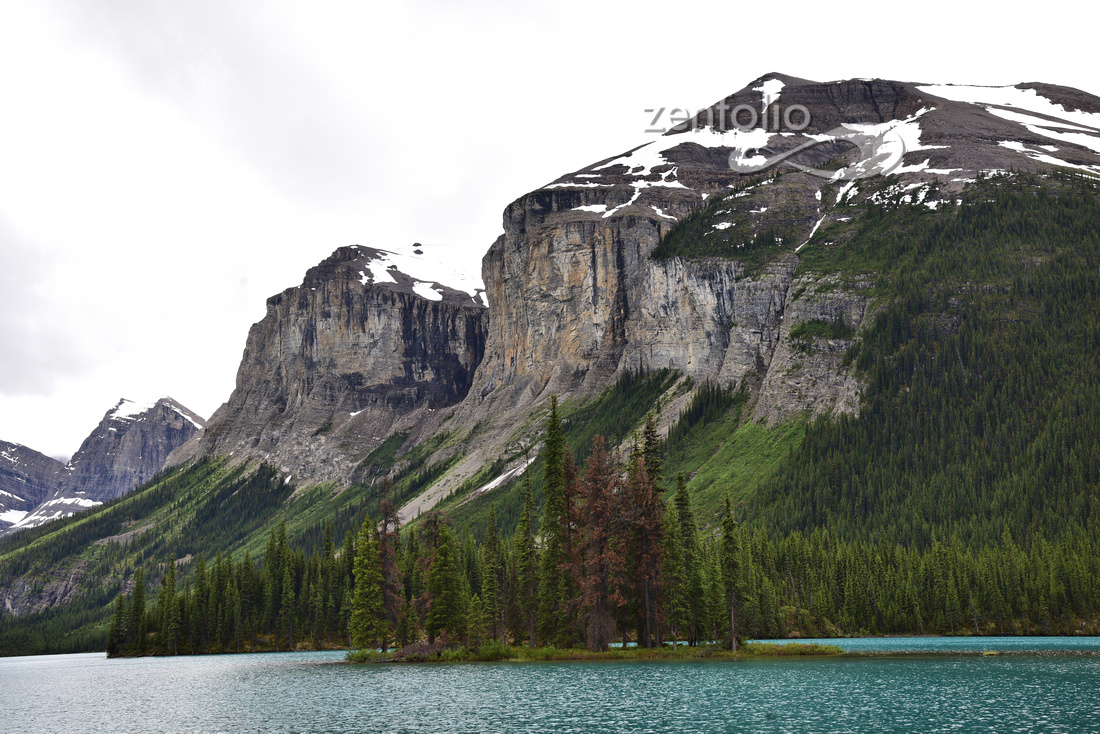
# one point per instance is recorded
(1053, 688)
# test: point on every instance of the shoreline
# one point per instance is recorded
(496, 652)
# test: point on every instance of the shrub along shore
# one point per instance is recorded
(440, 652)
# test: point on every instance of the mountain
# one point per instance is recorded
(130, 445)
(370, 344)
(685, 253)
(26, 479)
(864, 309)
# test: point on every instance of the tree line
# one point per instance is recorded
(609, 560)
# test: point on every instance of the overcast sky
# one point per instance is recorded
(167, 166)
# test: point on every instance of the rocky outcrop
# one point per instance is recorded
(126, 449)
(584, 282)
(26, 596)
(26, 479)
(577, 295)
(361, 349)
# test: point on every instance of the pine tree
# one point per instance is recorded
(369, 626)
(137, 624)
(598, 560)
(643, 516)
(674, 578)
(448, 603)
(527, 562)
(169, 609)
(493, 577)
(389, 551)
(731, 568)
(553, 622)
(116, 635)
(286, 609)
(651, 450)
(691, 553)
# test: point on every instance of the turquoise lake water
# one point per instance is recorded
(1035, 684)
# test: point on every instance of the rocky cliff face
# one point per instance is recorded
(126, 449)
(685, 252)
(26, 479)
(575, 295)
(578, 290)
(361, 349)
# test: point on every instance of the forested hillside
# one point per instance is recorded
(962, 498)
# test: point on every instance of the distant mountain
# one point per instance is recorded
(127, 448)
(26, 479)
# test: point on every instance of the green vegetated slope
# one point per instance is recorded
(980, 415)
(614, 414)
(197, 511)
(982, 367)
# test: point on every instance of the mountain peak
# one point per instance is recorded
(127, 410)
(431, 272)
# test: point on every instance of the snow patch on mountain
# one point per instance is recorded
(457, 274)
(1013, 96)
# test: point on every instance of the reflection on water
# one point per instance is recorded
(313, 692)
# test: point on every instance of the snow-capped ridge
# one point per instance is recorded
(427, 277)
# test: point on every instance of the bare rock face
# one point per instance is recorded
(26, 479)
(579, 288)
(577, 295)
(126, 449)
(359, 350)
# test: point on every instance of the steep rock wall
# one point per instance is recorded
(338, 364)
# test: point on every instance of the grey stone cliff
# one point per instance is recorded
(341, 362)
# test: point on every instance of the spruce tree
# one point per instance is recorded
(492, 582)
(693, 563)
(169, 609)
(527, 562)
(553, 623)
(599, 562)
(137, 625)
(643, 515)
(674, 578)
(651, 450)
(731, 571)
(369, 626)
(286, 609)
(446, 592)
(116, 635)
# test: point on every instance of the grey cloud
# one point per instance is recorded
(217, 60)
(36, 350)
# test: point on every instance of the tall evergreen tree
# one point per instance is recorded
(599, 560)
(643, 515)
(553, 619)
(731, 571)
(369, 626)
(137, 624)
(492, 583)
(691, 553)
(169, 610)
(527, 562)
(446, 592)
